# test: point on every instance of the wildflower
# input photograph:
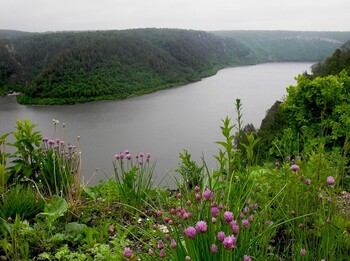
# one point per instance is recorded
(246, 258)
(221, 236)
(295, 167)
(215, 211)
(179, 195)
(303, 252)
(235, 227)
(167, 236)
(159, 213)
(160, 244)
(150, 252)
(328, 220)
(127, 252)
(255, 206)
(228, 216)
(188, 202)
(229, 242)
(308, 182)
(251, 218)
(172, 243)
(214, 248)
(45, 139)
(148, 155)
(187, 258)
(128, 156)
(213, 220)
(201, 226)
(245, 223)
(170, 222)
(197, 189)
(198, 197)
(330, 180)
(320, 196)
(277, 165)
(190, 232)
(292, 212)
(162, 253)
(126, 152)
(141, 154)
(208, 194)
(173, 211)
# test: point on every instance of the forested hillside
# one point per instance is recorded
(340, 60)
(279, 46)
(69, 67)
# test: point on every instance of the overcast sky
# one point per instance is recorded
(62, 15)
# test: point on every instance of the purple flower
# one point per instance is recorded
(208, 194)
(127, 252)
(126, 152)
(162, 253)
(215, 211)
(160, 244)
(45, 139)
(330, 180)
(190, 232)
(148, 155)
(221, 236)
(245, 223)
(235, 227)
(247, 258)
(198, 197)
(295, 167)
(228, 216)
(172, 243)
(141, 154)
(201, 226)
(255, 206)
(229, 242)
(197, 189)
(308, 182)
(214, 248)
(128, 156)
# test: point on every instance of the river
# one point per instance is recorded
(162, 123)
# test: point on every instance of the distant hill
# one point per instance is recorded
(280, 46)
(69, 67)
(334, 64)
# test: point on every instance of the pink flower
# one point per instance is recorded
(208, 194)
(201, 226)
(127, 252)
(214, 248)
(160, 244)
(197, 189)
(295, 167)
(215, 211)
(308, 182)
(230, 242)
(162, 253)
(179, 195)
(128, 156)
(330, 180)
(172, 243)
(228, 216)
(190, 232)
(245, 223)
(235, 227)
(198, 197)
(159, 213)
(247, 258)
(221, 236)
(303, 252)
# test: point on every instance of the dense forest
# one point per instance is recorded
(318, 107)
(69, 67)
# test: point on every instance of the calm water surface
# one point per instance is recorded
(162, 123)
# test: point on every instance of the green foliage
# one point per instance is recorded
(27, 157)
(191, 173)
(21, 201)
(134, 181)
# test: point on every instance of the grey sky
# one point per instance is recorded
(61, 15)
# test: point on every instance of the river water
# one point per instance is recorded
(162, 123)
